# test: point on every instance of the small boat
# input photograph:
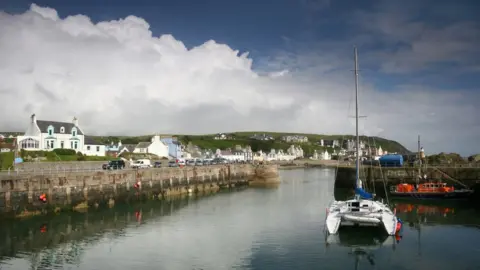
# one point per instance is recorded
(363, 209)
(429, 189)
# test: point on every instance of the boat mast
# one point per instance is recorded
(357, 174)
(419, 161)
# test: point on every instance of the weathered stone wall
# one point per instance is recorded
(20, 193)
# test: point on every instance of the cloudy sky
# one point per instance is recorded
(144, 66)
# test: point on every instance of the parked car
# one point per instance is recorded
(141, 164)
(198, 162)
(172, 163)
(220, 161)
(114, 165)
(190, 162)
(206, 162)
(181, 162)
(157, 164)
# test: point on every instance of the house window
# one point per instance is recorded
(98, 148)
(74, 132)
(61, 144)
(50, 130)
(75, 144)
(88, 148)
(29, 143)
(62, 130)
(71, 145)
(49, 144)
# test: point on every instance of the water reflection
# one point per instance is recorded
(437, 213)
(277, 229)
(53, 242)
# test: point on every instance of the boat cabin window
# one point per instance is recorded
(355, 204)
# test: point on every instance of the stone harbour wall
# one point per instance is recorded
(20, 194)
(346, 175)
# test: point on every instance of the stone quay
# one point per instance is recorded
(32, 194)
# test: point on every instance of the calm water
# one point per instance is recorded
(280, 228)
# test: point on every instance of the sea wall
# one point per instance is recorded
(391, 176)
(19, 194)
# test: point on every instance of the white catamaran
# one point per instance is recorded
(363, 209)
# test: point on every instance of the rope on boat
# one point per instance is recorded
(451, 178)
(383, 179)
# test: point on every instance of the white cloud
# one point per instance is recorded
(119, 79)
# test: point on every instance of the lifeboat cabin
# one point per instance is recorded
(424, 188)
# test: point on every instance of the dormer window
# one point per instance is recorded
(74, 132)
(50, 130)
(62, 130)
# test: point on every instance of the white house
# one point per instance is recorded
(295, 151)
(156, 147)
(230, 155)
(93, 148)
(295, 138)
(279, 155)
(42, 135)
(222, 136)
(325, 156)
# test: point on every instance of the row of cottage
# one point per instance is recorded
(42, 135)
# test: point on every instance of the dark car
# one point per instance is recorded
(157, 164)
(114, 165)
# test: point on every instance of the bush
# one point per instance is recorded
(64, 152)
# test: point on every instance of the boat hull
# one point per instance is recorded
(455, 195)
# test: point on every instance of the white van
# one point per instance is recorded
(141, 164)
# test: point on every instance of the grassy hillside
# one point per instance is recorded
(243, 138)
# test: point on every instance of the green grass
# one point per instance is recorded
(6, 160)
(206, 141)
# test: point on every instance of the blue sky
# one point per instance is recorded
(425, 46)
(271, 27)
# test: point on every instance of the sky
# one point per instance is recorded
(201, 67)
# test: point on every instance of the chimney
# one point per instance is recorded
(34, 119)
(75, 121)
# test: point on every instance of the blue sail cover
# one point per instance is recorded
(363, 193)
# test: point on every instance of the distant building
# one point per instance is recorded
(262, 137)
(295, 139)
(223, 136)
(175, 148)
(155, 146)
(93, 147)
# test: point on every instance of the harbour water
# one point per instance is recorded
(254, 228)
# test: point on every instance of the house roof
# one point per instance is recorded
(91, 141)
(143, 145)
(129, 147)
(43, 125)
